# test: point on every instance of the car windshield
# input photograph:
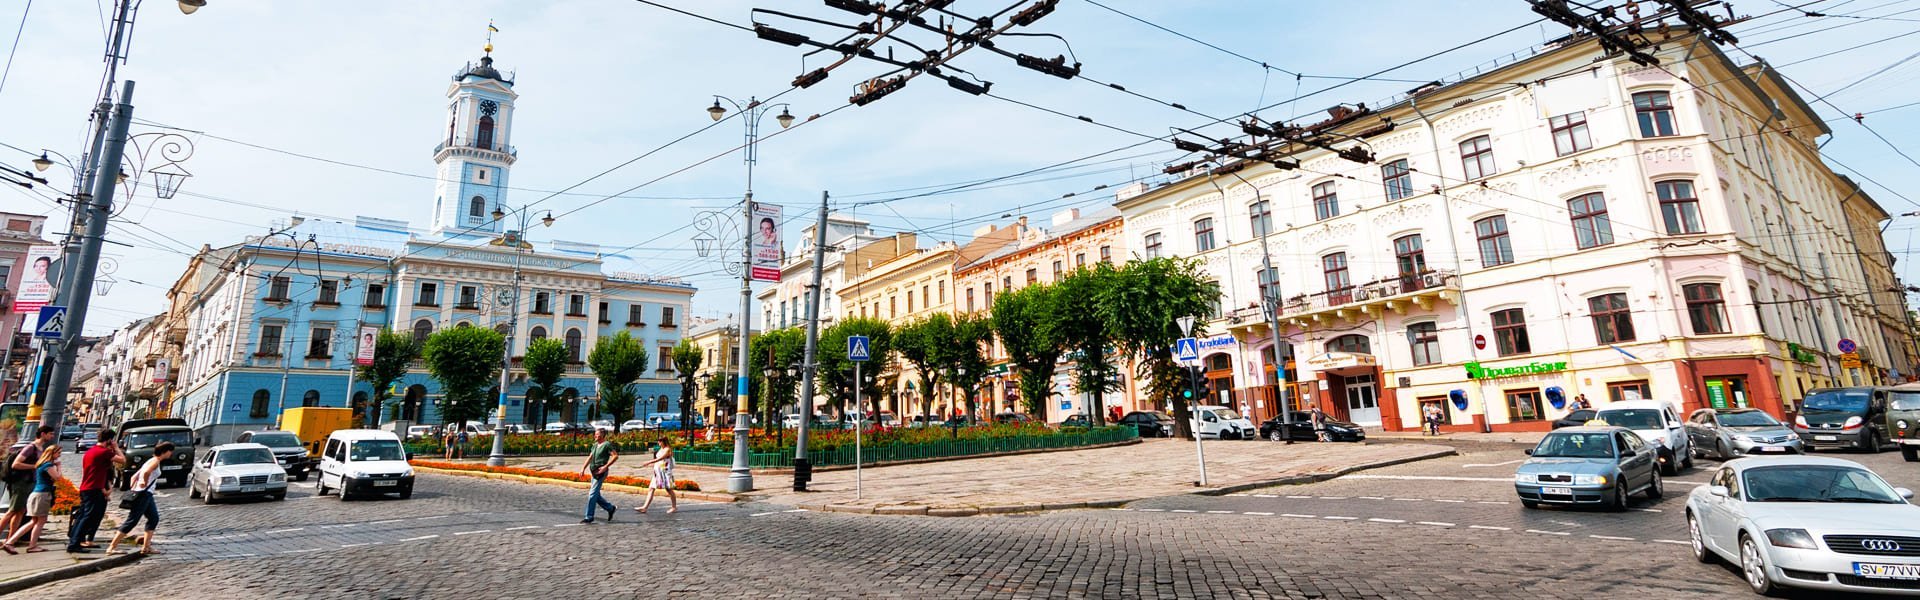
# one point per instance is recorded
(148, 440)
(1226, 413)
(1575, 445)
(376, 450)
(1752, 418)
(1156, 416)
(1632, 418)
(275, 439)
(243, 456)
(71, 429)
(1836, 401)
(1817, 483)
(1904, 400)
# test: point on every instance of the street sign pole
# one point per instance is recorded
(857, 351)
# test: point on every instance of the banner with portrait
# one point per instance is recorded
(764, 230)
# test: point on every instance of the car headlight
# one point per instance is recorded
(1800, 421)
(1901, 423)
(1590, 479)
(227, 480)
(1526, 478)
(1747, 438)
(1791, 538)
(1851, 423)
(356, 474)
(407, 473)
(277, 477)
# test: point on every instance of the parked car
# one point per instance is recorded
(1735, 432)
(1850, 417)
(636, 425)
(415, 432)
(1810, 522)
(1220, 422)
(287, 450)
(520, 428)
(1150, 423)
(1012, 417)
(1656, 424)
(600, 424)
(1588, 466)
(237, 470)
(364, 461)
(138, 438)
(70, 432)
(1575, 418)
(1903, 419)
(1076, 420)
(887, 419)
(559, 427)
(1302, 429)
(87, 441)
(927, 421)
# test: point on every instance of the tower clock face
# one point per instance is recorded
(489, 107)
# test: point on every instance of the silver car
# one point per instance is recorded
(1588, 466)
(1812, 522)
(236, 470)
(1727, 433)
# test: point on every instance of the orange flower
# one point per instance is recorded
(678, 484)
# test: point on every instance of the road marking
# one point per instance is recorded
(416, 539)
(1408, 499)
(431, 518)
(1491, 502)
(1452, 501)
(1298, 516)
(521, 527)
(1386, 520)
(1430, 478)
(235, 555)
(1265, 496)
(385, 522)
(569, 524)
(359, 544)
(1647, 509)
(1680, 542)
(1219, 512)
(1369, 498)
(795, 510)
(1548, 532)
(1153, 510)
(1178, 510)
(1685, 482)
(283, 531)
(473, 532)
(301, 551)
(1437, 523)
(778, 512)
(1611, 537)
(1498, 464)
(1300, 497)
(339, 526)
(1263, 514)
(1341, 518)
(1333, 497)
(1489, 528)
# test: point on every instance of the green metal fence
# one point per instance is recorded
(844, 455)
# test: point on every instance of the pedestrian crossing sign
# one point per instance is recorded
(1186, 349)
(52, 323)
(857, 348)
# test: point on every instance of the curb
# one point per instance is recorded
(1318, 477)
(630, 489)
(67, 572)
(1454, 442)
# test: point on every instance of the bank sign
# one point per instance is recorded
(1476, 371)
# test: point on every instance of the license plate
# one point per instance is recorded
(170, 467)
(1881, 571)
(248, 489)
(1557, 491)
(385, 483)
(1827, 438)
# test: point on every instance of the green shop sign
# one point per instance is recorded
(1475, 371)
(1799, 353)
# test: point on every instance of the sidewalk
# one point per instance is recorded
(1499, 437)
(22, 571)
(1053, 480)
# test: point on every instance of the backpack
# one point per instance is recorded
(7, 472)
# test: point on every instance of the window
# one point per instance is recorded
(269, 340)
(1269, 280)
(542, 303)
(1397, 176)
(1706, 308)
(1260, 214)
(1152, 245)
(1326, 203)
(1339, 286)
(261, 398)
(483, 134)
(666, 316)
(277, 288)
(429, 295)
(1079, 259)
(1424, 338)
(1678, 207)
(1655, 113)
(1351, 342)
(477, 207)
(376, 294)
(576, 305)
(969, 299)
(1203, 235)
(320, 342)
(1524, 405)
(1570, 133)
(633, 315)
(329, 292)
(1033, 276)
(1214, 307)
(1476, 156)
(605, 317)
(1106, 254)
(1410, 255)
(469, 297)
(311, 398)
(660, 404)
(1612, 321)
(988, 292)
(1629, 390)
(573, 345)
(422, 329)
(893, 306)
(941, 286)
(536, 334)
(1006, 283)
(666, 358)
(1590, 224)
(1510, 332)
(1056, 270)
(1495, 248)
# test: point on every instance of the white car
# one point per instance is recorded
(519, 429)
(558, 427)
(419, 431)
(1220, 422)
(601, 424)
(1812, 522)
(236, 470)
(364, 461)
(635, 425)
(1655, 422)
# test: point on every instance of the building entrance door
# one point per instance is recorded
(1363, 400)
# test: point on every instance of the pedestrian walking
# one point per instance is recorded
(1319, 420)
(1433, 419)
(39, 501)
(599, 463)
(19, 476)
(142, 505)
(96, 477)
(662, 464)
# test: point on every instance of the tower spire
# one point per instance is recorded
(490, 31)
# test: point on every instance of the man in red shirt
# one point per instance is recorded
(96, 475)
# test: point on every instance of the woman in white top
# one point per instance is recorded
(662, 464)
(142, 486)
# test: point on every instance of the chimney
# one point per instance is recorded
(1065, 216)
(297, 220)
(984, 229)
(1129, 191)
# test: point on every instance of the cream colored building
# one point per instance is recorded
(717, 340)
(902, 289)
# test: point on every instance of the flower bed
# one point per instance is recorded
(65, 496)
(537, 444)
(678, 484)
(836, 447)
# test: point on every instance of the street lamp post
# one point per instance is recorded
(513, 240)
(740, 479)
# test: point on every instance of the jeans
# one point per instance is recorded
(143, 506)
(594, 498)
(85, 519)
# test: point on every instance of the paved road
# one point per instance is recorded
(1435, 529)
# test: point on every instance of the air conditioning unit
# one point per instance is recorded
(1362, 294)
(1433, 280)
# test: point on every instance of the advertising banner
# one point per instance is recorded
(363, 355)
(766, 247)
(35, 290)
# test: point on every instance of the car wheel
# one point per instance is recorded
(207, 498)
(1699, 542)
(1619, 501)
(406, 494)
(320, 487)
(1689, 462)
(280, 497)
(1277, 436)
(193, 492)
(1668, 464)
(1529, 504)
(1657, 488)
(1720, 450)
(1754, 567)
(1910, 453)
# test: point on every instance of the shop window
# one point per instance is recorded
(1629, 390)
(1524, 405)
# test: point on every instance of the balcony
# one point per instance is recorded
(1374, 298)
(473, 146)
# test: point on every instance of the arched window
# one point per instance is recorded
(422, 329)
(573, 345)
(260, 400)
(360, 404)
(477, 207)
(483, 136)
(410, 407)
(536, 334)
(1351, 342)
(662, 406)
(311, 398)
(462, 325)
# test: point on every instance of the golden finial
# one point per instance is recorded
(490, 31)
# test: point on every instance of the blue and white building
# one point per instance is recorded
(272, 321)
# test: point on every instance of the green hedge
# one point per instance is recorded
(844, 455)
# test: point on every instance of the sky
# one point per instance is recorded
(332, 110)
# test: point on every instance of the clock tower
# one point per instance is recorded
(475, 151)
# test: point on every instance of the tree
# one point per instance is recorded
(1024, 320)
(836, 371)
(546, 362)
(922, 343)
(780, 348)
(1081, 329)
(466, 361)
(393, 353)
(686, 362)
(963, 359)
(617, 363)
(1143, 308)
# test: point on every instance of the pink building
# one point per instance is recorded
(18, 233)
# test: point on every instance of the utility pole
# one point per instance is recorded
(802, 467)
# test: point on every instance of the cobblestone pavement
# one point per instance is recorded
(473, 538)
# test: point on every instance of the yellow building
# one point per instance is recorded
(717, 340)
(910, 285)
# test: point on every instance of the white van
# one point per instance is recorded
(365, 461)
(1221, 422)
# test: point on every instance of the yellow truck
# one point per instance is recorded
(312, 424)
